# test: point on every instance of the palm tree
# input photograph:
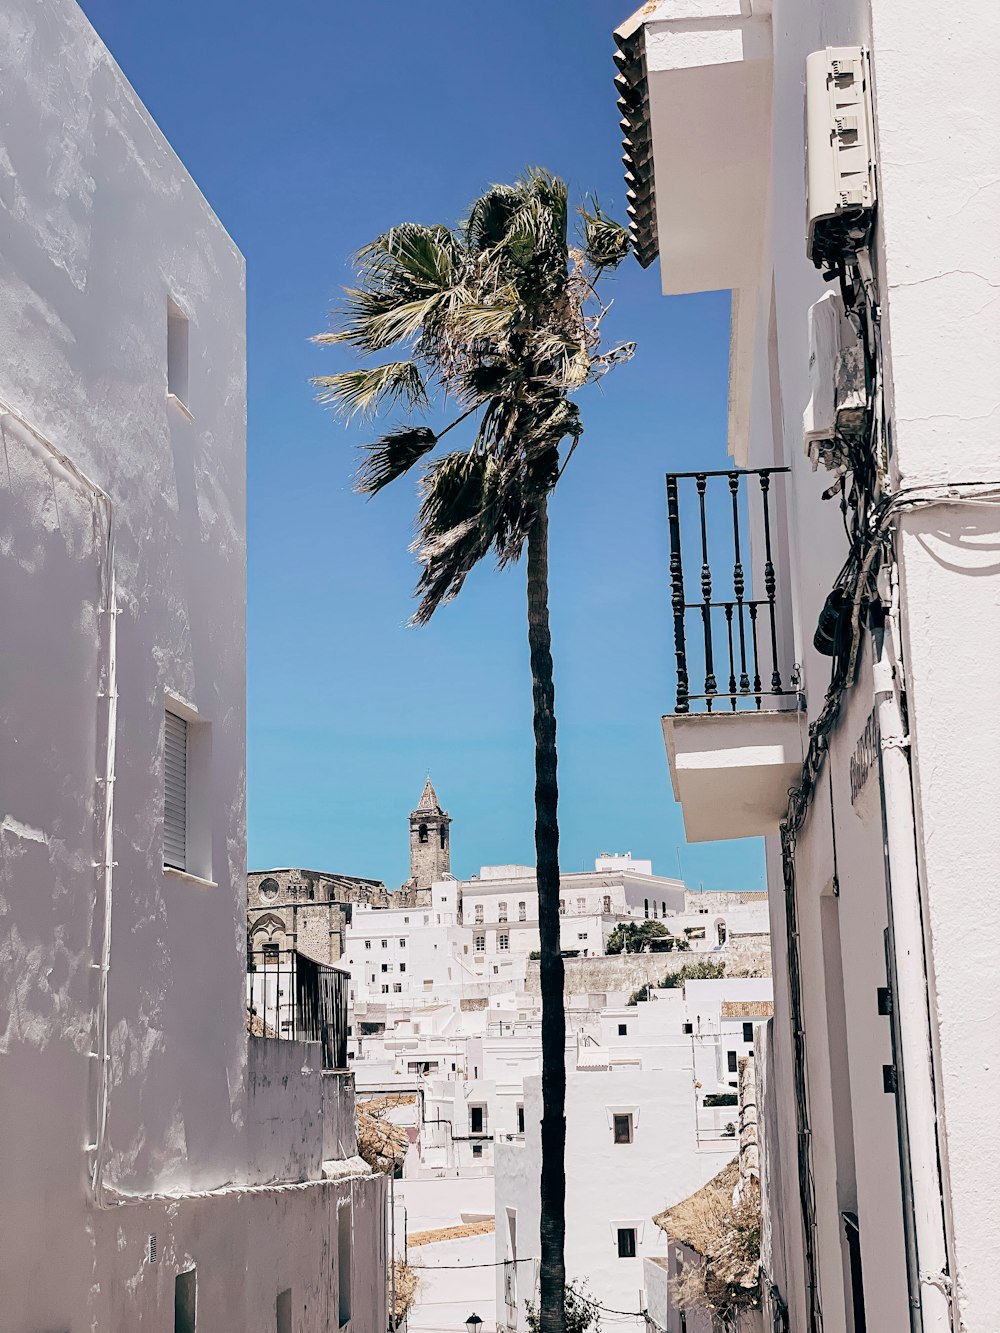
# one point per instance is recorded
(500, 316)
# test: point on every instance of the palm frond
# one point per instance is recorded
(420, 258)
(489, 217)
(606, 242)
(371, 387)
(391, 456)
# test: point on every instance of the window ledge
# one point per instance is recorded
(181, 406)
(188, 878)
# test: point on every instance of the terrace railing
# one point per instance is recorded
(727, 636)
(293, 997)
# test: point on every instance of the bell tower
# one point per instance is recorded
(430, 840)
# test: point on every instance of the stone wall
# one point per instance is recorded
(306, 909)
(629, 971)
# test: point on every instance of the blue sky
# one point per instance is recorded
(311, 127)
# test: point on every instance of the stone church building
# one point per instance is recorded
(308, 910)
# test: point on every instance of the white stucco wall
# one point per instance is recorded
(937, 261)
(102, 227)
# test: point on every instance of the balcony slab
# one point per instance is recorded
(731, 772)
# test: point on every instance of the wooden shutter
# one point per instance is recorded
(175, 792)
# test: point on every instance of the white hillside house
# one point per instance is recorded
(640, 1136)
(162, 1170)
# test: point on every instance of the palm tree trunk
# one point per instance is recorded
(552, 1314)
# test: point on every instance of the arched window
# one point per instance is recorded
(422, 832)
(522, 912)
(444, 836)
(720, 931)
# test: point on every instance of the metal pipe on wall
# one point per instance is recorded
(932, 1290)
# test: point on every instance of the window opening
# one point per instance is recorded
(345, 1228)
(626, 1242)
(422, 832)
(186, 1302)
(283, 1311)
(177, 352)
(748, 1032)
(623, 1128)
(175, 783)
(522, 912)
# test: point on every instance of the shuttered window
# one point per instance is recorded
(175, 792)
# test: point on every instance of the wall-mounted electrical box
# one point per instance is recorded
(840, 154)
(837, 410)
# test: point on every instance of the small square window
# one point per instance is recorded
(623, 1029)
(402, 944)
(623, 1128)
(385, 944)
(385, 967)
(626, 1242)
(402, 967)
(385, 990)
(397, 986)
(477, 1150)
(368, 944)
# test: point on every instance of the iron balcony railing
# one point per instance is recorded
(293, 997)
(711, 516)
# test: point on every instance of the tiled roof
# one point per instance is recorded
(747, 1008)
(633, 102)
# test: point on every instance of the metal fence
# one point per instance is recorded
(734, 619)
(293, 997)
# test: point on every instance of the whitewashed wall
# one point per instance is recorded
(938, 259)
(101, 227)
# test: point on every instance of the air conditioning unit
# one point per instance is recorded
(840, 154)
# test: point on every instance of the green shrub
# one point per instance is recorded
(706, 969)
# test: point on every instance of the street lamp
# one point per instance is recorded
(473, 1323)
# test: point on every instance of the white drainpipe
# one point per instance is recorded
(911, 997)
(104, 868)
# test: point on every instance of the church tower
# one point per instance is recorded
(430, 840)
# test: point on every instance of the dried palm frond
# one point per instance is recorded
(368, 389)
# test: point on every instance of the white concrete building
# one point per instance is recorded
(845, 641)
(639, 1137)
(156, 1173)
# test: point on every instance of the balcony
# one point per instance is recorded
(737, 736)
(292, 997)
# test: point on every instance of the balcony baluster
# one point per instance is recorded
(746, 669)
